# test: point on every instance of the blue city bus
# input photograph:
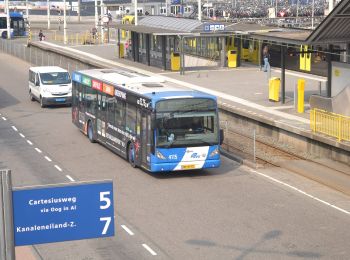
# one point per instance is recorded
(154, 124)
(17, 25)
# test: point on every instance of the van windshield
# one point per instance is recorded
(55, 78)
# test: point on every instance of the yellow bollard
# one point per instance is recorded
(301, 90)
(274, 89)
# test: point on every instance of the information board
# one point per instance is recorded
(73, 211)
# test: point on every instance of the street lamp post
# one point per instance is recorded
(64, 23)
(27, 10)
(102, 14)
(48, 14)
(8, 19)
(136, 18)
(96, 15)
(313, 14)
(199, 10)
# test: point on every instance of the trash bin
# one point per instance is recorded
(121, 50)
(274, 89)
(232, 59)
(175, 61)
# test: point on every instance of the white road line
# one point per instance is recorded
(14, 128)
(38, 150)
(70, 178)
(127, 230)
(29, 142)
(58, 168)
(22, 135)
(4, 118)
(149, 249)
(48, 158)
(302, 192)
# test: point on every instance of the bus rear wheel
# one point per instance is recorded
(131, 155)
(90, 132)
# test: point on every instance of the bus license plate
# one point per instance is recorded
(60, 99)
(188, 167)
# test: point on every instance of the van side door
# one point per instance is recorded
(36, 88)
(31, 82)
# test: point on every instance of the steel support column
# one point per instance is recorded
(329, 71)
(283, 74)
(148, 49)
(163, 42)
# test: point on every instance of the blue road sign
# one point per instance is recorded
(214, 27)
(45, 214)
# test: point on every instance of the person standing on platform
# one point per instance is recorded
(267, 59)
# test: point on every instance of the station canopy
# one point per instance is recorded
(335, 28)
(165, 25)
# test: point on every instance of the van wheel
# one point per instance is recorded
(42, 102)
(131, 155)
(90, 132)
(31, 97)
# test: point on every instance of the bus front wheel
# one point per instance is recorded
(42, 104)
(90, 132)
(131, 155)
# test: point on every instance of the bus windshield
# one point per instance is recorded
(186, 122)
(55, 78)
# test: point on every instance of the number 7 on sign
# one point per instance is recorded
(108, 221)
(107, 201)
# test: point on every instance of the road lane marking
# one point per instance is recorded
(48, 158)
(127, 230)
(14, 128)
(38, 150)
(22, 135)
(70, 178)
(302, 192)
(4, 118)
(29, 142)
(149, 249)
(58, 168)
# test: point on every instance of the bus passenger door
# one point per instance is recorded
(145, 138)
(101, 116)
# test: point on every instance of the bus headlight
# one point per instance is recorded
(160, 155)
(215, 152)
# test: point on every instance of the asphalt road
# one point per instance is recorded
(229, 213)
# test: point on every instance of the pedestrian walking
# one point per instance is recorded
(41, 36)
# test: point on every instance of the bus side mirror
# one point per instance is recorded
(221, 136)
(37, 83)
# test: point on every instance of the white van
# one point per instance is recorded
(50, 85)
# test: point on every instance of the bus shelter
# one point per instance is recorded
(158, 39)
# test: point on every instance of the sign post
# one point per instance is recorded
(7, 248)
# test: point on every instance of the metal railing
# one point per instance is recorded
(330, 124)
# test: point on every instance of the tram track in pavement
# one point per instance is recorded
(266, 152)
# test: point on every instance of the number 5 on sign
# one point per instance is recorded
(104, 198)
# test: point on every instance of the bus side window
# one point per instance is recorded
(110, 110)
(120, 112)
(90, 100)
(130, 118)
